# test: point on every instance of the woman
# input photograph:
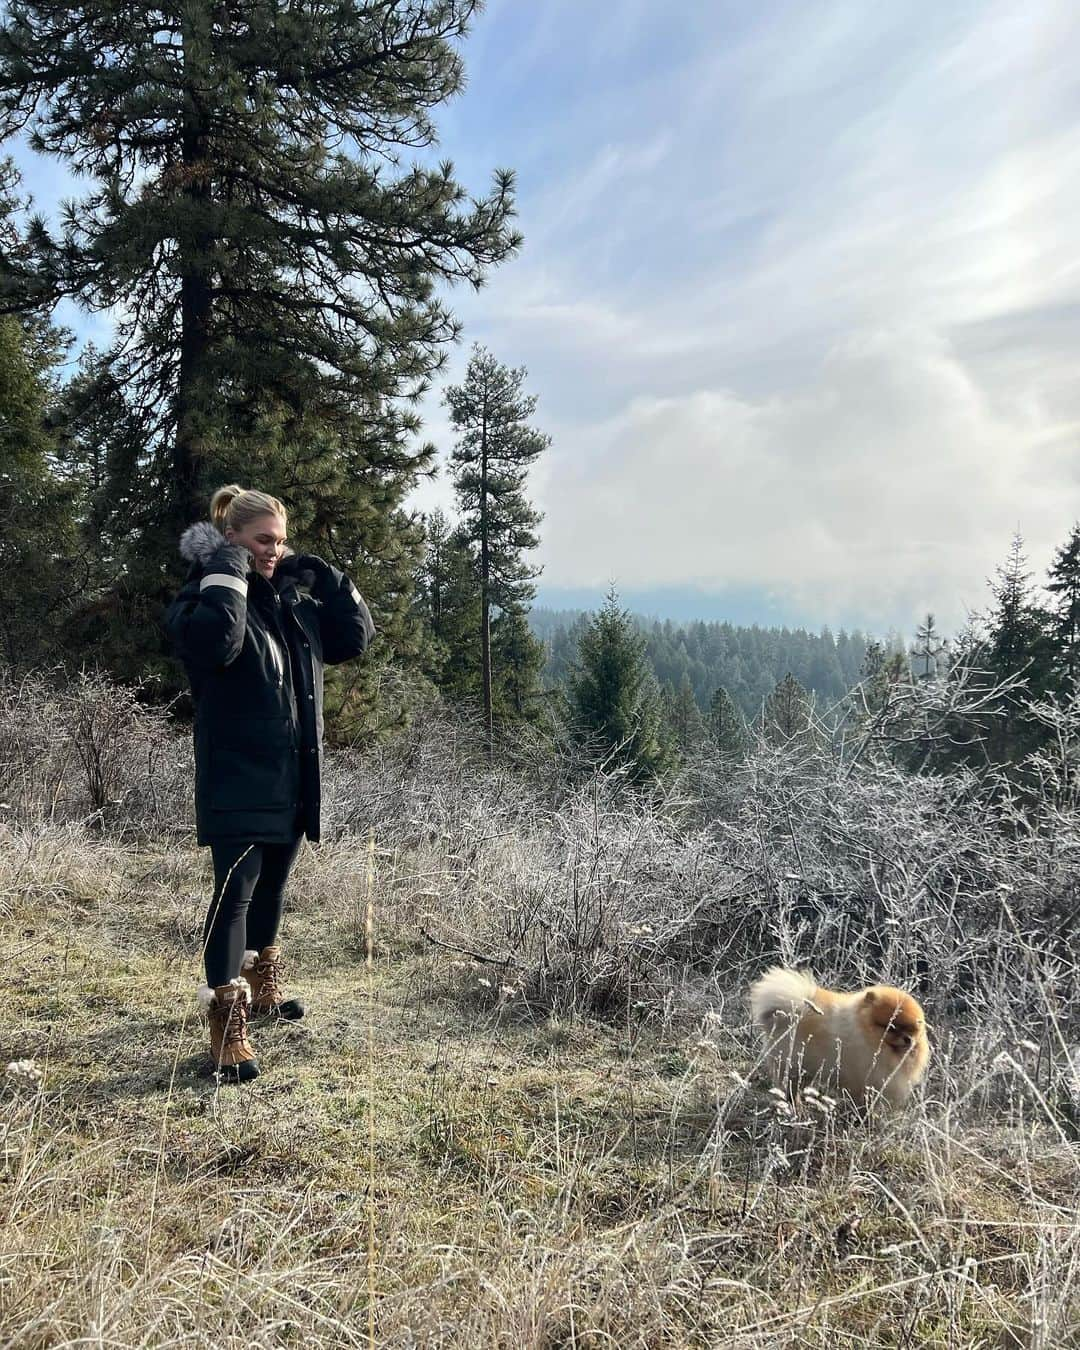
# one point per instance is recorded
(254, 645)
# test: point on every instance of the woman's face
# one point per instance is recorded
(265, 537)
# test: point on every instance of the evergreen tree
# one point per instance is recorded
(20, 285)
(685, 720)
(448, 602)
(491, 460)
(1013, 638)
(39, 564)
(786, 713)
(430, 582)
(99, 448)
(562, 645)
(279, 268)
(1017, 642)
(880, 672)
(726, 725)
(667, 707)
(1016, 624)
(614, 698)
(517, 659)
(1064, 585)
(824, 674)
(746, 661)
(928, 648)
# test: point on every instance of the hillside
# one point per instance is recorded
(542, 1103)
(747, 661)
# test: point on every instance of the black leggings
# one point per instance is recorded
(249, 893)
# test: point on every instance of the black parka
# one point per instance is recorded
(254, 650)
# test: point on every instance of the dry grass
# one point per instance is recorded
(539, 1182)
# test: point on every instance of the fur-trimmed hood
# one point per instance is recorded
(200, 542)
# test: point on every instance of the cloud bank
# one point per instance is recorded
(800, 298)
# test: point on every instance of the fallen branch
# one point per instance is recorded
(466, 951)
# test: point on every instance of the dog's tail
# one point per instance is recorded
(781, 992)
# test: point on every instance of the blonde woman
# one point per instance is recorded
(254, 625)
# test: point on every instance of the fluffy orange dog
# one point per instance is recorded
(873, 1039)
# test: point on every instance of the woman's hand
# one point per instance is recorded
(231, 555)
(320, 577)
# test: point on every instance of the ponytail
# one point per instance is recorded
(234, 506)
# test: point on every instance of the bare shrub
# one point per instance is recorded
(582, 894)
(91, 750)
(823, 852)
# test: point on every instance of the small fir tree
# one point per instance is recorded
(518, 658)
(786, 713)
(686, 723)
(929, 648)
(614, 698)
(1063, 583)
(1017, 642)
(726, 725)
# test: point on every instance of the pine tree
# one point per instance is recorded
(430, 581)
(1064, 585)
(786, 713)
(21, 291)
(517, 658)
(280, 269)
(38, 544)
(881, 671)
(99, 447)
(929, 647)
(614, 698)
(687, 724)
(1017, 624)
(40, 566)
(726, 725)
(490, 462)
(447, 601)
(824, 673)
(1017, 642)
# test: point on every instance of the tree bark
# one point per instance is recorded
(194, 244)
(485, 599)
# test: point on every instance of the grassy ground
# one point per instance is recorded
(521, 1182)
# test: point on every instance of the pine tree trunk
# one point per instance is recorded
(195, 295)
(485, 598)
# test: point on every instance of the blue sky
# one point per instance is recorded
(799, 295)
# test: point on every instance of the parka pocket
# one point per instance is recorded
(252, 765)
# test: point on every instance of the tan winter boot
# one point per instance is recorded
(227, 1008)
(263, 970)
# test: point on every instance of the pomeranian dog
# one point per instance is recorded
(873, 1040)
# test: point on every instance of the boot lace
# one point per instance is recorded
(235, 1029)
(268, 971)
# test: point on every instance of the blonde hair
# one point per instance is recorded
(234, 507)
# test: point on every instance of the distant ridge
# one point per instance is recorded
(746, 659)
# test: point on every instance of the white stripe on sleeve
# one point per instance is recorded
(354, 593)
(224, 579)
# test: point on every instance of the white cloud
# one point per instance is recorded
(885, 490)
(812, 324)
